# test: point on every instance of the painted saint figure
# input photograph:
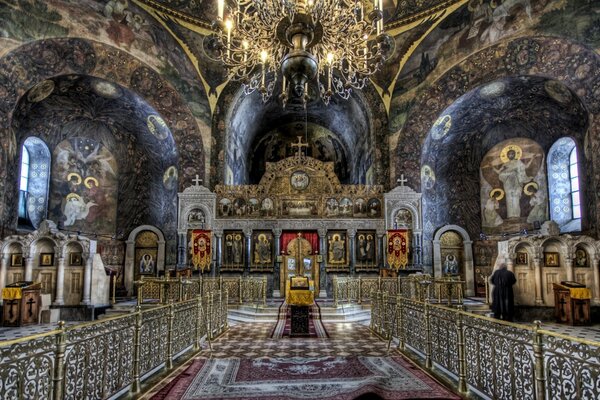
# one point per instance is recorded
(513, 175)
(146, 264)
(451, 265)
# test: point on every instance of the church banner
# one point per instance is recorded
(201, 249)
(397, 248)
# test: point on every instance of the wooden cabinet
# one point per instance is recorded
(572, 303)
(21, 304)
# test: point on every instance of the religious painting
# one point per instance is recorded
(299, 208)
(291, 265)
(196, 216)
(398, 249)
(307, 266)
(522, 258)
(225, 208)
(450, 264)
(331, 207)
(146, 261)
(253, 208)
(365, 248)
(360, 207)
(581, 258)
(84, 186)
(75, 259)
(374, 208)
(403, 219)
(16, 260)
(345, 207)
(239, 207)
(262, 249)
(299, 180)
(233, 248)
(267, 207)
(337, 250)
(514, 192)
(46, 259)
(551, 259)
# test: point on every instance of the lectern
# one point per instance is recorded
(572, 303)
(21, 303)
(299, 296)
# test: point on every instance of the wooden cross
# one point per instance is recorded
(30, 303)
(299, 145)
(402, 180)
(197, 181)
(11, 304)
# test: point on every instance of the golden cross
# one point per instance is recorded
(299, 145)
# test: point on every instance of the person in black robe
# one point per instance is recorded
(503, 303)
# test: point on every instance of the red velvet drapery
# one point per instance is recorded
(312, 237)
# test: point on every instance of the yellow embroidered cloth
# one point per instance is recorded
(12, 293)
(299, 297)
(577, 293)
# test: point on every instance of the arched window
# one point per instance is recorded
(563, 179)
(33, 183)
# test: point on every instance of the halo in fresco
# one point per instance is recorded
(441, 127)
(170, 177)
(157, 127)
(427, 177)
(493, 89)
(511, 147)
(40, 91)
(106, 89)
(558, 91)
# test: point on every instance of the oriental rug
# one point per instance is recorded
(324, 378)
(283, 326)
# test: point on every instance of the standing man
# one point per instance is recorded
(503, 301)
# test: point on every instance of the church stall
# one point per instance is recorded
(66, 267)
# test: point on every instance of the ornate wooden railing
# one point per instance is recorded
(496, 359)
(240, 289)
(104, 358)
(418, 287)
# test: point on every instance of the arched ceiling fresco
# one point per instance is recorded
(94, 114)
(531, 107)
(252, 125)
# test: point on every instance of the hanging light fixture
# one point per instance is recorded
(263, 42)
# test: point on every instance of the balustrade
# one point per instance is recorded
(102, 358)
(496, 359)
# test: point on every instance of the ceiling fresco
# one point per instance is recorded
(529, 107)
(101, 131)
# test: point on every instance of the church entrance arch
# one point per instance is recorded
(453, 255)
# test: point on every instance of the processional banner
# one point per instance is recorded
(201, 249)
(397, 248)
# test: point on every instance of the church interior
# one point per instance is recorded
(300, 199)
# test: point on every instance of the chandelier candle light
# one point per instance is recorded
(263, 42)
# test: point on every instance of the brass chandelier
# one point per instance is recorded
(264, 42)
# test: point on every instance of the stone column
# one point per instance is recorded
(160, 258)
(182, 252)
(276, 265)
(418, 249)
(248, 237)
(569, 268)
(596, 289)
(59, 295)
(322, 272)
(351, 235)
(437, 259)
(4, 272)
(469, 268)
(28, 267)
(216, 270)
(537, 271)
(87, 280)
(129, 266)
(381, 255)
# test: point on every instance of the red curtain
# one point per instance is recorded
(312, 237)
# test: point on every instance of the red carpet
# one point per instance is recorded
(324, 378)
(283, 326)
